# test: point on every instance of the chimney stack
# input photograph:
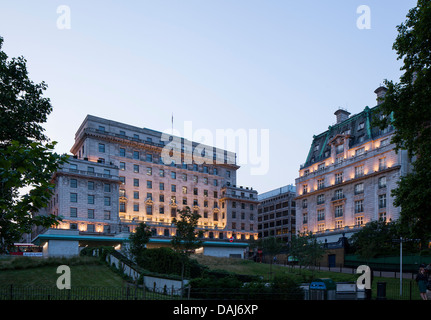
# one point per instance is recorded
(342, 115)
(381, 92)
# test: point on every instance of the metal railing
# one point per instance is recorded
(128, 292)
(138, 292)
(392, 291)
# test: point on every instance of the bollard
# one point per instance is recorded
(381, 291)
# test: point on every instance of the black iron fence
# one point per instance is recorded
(15, 292)
(380, 291)
(130, 292)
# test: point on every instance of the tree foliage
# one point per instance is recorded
(27, 160)
(407, 106)
(306, 249)
(270, 246)
(186, 238)
(138, 242)
(374, 239)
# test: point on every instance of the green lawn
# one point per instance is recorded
(89, 272)
(84, 272)
(301, 275)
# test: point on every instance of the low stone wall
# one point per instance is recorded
(149, 281)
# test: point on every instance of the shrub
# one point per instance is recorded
(286, 288)
(167, 261)
(215, 288)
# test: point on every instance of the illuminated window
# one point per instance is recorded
(320, 215)
(338, 211)
(382, 201)
(359, 206)
(382, 182)
(339, 194)
(382, 164)
(339, 177)
(359, 188)
(320, 184)
(359, 171)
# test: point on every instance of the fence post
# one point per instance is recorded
(11, 292)
(144, 290)
(188, 292)
(381, 290)
(410, 289)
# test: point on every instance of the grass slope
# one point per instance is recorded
(302, 275)
(43, 272)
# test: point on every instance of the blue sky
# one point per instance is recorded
(281, 66)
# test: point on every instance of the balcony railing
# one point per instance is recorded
(89, 173)
(344, 162)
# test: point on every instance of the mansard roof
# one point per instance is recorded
(359, 128)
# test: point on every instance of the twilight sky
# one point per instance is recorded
(276, 70)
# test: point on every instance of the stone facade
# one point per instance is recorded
(86, 196)
(239, 206)
(121, 175)
(348, 177)
(277, 213)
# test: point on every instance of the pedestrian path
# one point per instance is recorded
(376, 273)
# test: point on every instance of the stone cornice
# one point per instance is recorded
(142, 144)
(344, 183)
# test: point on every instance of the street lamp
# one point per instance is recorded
(400, 241)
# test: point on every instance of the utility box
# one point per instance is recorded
(322, 289)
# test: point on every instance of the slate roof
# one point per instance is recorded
(357, 134)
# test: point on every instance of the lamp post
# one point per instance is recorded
(401, 240)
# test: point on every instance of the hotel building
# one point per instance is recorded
(121, 175)
(348, 176)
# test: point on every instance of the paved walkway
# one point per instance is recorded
(382, 274)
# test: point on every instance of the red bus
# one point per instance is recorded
(26, 249)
